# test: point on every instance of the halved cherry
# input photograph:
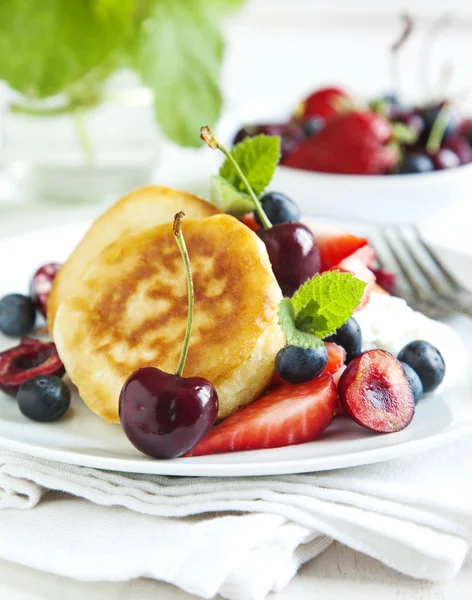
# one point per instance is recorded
(375, 392)
(30, 359)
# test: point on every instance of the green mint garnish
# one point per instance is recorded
(319, 307)
(295, 336)
(70, 47)
(248, 167)
(257, 158)
(228, 199)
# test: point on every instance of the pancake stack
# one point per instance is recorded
(120, 302)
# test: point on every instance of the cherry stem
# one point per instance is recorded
(438, 129)
(208, 137)
(406, 32)
(179, 238)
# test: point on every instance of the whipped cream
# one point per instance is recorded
(388, 322)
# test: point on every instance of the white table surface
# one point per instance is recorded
(339, 572)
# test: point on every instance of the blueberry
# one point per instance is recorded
(44, 399)
(348, 336)
(416, 163)
(297, 365)
(17, 315)
(278, 208)
(426, 360)
(414, 381)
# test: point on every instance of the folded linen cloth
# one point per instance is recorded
(239, 537)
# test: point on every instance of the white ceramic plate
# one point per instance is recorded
(377, 198)
(81, 438)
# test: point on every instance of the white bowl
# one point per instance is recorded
(397, 199)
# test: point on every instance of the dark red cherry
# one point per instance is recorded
(293, 253)
(41, 285)
(32, 358)
(165, 415)
(446, 158)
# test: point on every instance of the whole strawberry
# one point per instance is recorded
(355, 143)
(325, 103)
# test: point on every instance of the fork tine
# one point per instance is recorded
(425, 265)
(441, 267)
(403, 265)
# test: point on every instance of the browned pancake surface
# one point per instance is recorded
(131, 311)
(143, 208)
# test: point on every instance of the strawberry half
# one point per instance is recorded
(336, 358)
(325, 103)
(334, 249)
(290, 414)
(250, 221)
(354, 143)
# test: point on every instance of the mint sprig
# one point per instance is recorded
(254, 165)
(257, 158)
(228, 199)
(246, 172)
(295, 336)
(319, 307)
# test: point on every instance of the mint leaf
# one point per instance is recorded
(178, 55)
(309, 319)
(257, 157)
(228, 199)
(46, 46)
(335, 295)
(294, 336)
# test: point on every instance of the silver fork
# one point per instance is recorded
(423, 280)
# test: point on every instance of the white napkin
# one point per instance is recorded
(241, 537)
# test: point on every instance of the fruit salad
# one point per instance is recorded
(241, 328)
(331, 132)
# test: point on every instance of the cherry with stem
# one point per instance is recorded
(165, 415)
(291, 246)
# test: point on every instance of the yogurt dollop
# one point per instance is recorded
(388, 322)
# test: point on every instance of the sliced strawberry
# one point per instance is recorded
(290, 414)
(340, 411)
(250, 221)
(366, 254)
(325, 103)
(356, 266)
(334, 249)
(355, 143)
(386, 279)
(336, 358)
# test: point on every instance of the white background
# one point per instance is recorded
(278, 50)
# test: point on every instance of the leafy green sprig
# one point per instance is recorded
(319, 307)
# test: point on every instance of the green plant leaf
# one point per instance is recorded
(226, 6)
(257, 157)
(309, 319)
(228, 199)
(329, 300)
(48, 45)
(178, 55)
(294, 336)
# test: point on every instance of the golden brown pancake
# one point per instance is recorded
(130, 311)
(141, 209)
